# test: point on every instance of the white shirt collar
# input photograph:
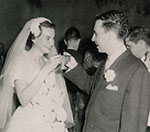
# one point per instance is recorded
(146, 62)
(114, 56)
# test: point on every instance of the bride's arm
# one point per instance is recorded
(25, 91)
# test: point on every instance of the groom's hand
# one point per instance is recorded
(71, 62)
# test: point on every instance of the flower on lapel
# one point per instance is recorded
(109, 75)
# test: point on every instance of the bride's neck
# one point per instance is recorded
(35, 53)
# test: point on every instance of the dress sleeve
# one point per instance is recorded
(20, 72)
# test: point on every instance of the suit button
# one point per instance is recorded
(92, 126)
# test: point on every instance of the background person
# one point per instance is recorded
(138, 41)
(77, 98)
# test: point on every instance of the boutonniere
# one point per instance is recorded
(109, 75)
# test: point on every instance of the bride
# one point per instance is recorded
(36, 81)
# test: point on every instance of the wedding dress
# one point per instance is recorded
(45, 112)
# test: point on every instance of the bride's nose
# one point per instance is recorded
(51, 43)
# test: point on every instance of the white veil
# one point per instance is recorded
(7, 105)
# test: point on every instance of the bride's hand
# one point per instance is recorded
(53, 63)
(64, 60)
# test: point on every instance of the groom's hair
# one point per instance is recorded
(114, 20)
(46, 24)
(139, 33)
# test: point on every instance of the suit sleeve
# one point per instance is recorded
(137, 103)
(79, 77)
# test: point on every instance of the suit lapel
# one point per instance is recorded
(99, 84)
(98, 76)
(102, 82)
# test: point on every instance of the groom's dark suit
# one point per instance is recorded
(123, 109)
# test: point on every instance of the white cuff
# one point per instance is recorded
(71, 63)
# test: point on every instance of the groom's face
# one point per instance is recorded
(100, 36)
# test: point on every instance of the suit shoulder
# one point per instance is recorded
(136, 63)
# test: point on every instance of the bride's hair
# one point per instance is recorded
(31, 36)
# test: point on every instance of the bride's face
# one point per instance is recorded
(45, 42)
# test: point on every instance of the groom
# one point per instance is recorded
(120, 91)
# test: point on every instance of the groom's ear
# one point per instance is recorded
(113, 33)
(142, 43)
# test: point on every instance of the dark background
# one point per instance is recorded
(66, 13)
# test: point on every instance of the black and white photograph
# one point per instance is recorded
(75, 66)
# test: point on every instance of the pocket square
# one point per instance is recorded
(110, 87)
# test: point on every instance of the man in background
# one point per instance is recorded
(138, 41)
(78, 99)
